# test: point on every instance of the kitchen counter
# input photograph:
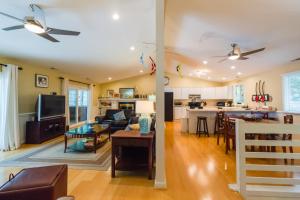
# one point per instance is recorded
(227, 109)
(210, 113)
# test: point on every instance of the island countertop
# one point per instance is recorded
(227, 109)
(210, 114)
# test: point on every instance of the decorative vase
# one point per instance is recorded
(145, 123)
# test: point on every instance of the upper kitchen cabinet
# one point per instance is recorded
(177, 93)
(222, 93)
(168, 89)
(185, 92)
(230, 92)
(206, 93)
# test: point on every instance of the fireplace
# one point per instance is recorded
(127, 106)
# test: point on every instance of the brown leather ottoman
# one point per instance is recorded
(41, 183)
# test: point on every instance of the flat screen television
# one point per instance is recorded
(50, 106)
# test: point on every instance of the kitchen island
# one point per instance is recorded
(210, 113)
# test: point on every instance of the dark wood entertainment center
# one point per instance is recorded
(44, 130)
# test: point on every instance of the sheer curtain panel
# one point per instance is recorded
(9, 121)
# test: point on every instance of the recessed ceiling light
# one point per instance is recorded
(232, 67)
(190, 74)
(205, 62)
(132, 48)
(224, 78)
(239, 73)
(208, 78)
(109, 78)
(116, 16)
(141, 71)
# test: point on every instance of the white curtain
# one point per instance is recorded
(9, 121)
(90, 105)
(65, 91)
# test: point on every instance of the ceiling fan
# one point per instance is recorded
(37, 24)
(297, 59)
(236, 53)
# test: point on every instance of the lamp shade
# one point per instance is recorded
(145, 107)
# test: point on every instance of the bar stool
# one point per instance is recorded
(202, 120)
(288, 119)
(219, 126)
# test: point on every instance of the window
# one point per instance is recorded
(238, 94)
(291, 91)
(78, 105)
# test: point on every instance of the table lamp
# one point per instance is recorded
(145, 108)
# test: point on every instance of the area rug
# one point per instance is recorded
(53, 154)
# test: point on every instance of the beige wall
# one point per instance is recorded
(28, 92)
(145, 84)
(273, 79)
(176, 81)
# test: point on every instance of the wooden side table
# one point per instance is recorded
(131, 139)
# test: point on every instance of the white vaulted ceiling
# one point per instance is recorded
(197, 30)
(102, 49)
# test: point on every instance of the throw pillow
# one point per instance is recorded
(134, 126)
(119, 116)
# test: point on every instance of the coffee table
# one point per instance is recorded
(88, 131)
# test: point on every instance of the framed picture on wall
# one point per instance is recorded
(126, 93)
(110, 93)
(41, 81)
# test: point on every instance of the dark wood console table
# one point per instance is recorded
(131, 139)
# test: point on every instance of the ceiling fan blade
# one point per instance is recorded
(242, 58)
(13, 28)
(297, 59)
(222, 60)
(220, 56)
(12, 17)
(252, 52)
(62, 32)
(48, 37)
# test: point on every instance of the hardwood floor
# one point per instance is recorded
(196, 169)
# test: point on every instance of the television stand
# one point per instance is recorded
(44, 130)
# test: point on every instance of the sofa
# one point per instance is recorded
(115, 125)
(46, 183)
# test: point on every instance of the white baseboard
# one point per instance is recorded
(160, 184)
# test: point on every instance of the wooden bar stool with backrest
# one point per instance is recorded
(219, 126)
(288, 119)
(202, 120)
(229, 133)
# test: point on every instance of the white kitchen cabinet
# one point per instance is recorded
(180, 112)
(177, 93)
(194, 91)
(185, 93)
(208, 93)
(230, 92)
(183, 112)
(168, 89)
(221, 92)
(177, 112)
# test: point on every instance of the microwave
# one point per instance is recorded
(194, 96)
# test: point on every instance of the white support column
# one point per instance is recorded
(160, 176)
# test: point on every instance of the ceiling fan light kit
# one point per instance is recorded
(236, 54)
(233, 57)
(37, 24)
(35, 28)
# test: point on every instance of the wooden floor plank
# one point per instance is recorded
(197, 169)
